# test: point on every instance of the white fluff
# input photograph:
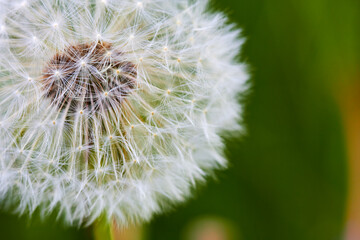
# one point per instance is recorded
(146, 153)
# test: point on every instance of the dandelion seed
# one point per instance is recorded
(101, 130)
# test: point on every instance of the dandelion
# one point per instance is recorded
(113, 107)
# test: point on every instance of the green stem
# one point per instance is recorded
(103, 230)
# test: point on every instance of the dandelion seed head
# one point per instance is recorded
(87, 72)
(113, 107)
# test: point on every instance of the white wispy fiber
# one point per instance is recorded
(113, 107)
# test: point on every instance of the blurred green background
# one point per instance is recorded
(288, 176)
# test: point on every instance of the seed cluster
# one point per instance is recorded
(113, 107)
(87, 76)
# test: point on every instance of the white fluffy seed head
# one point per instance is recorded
(113, 107)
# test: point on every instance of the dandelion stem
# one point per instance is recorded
(129, 233)
(103, 230)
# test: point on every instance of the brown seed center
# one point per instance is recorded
(88, 77)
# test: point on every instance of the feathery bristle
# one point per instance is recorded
(116, 106)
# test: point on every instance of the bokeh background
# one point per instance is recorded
(288, 177)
